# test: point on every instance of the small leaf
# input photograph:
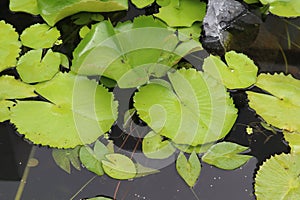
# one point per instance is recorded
(225, 155)
(144, 171)
(284, 8)
(84, 31)
(39, 36)
(240, 71)
(10, 46)
(197, 149)
(119, 166)
(64, 61)
(293, 138)
(154, 147)
(142, 3)
(65, 157)
(163, 3)
(127, 117)
(33, 68)
(278, 178)
(188, 170)
(92, 160)
(28, 6)
(182, 12)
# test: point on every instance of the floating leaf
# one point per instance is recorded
(240, 71)
(10, 46)
(251, 1)
(99, 198)
(65, 157)
(198, 111)
(155, 147)
(225, 155)
(80, 111)
(131, 52)
(182, 12)
(86, 18)
(119, 166)
(84, 31)
(278, 178)
(293, 138)
(142, 3)
(190, 149)
(283, 105)
(33, 68)
(54, 10)
(64, 61)
(92, 159)
(5, 110)
(284, 8)
(28, 6)
(144, 171)
(163, 3)
(188, 170)
(39, 36)
(192, 32)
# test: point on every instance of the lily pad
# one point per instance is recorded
(5, 110)
(283, 104)
(197, 111)
(39, 36)
(131, 52)
(142, 3)
(79, 112)
(54, 10)
(10, 46)
(226, 155)
(239, 72)
(182, 13)
(64, 158)
(91, 159)
(286, 8)
(278, 178)
(28, 6)
(190, 169)
(154, 147)
(119, 166)
(33, 68)
(293, 138)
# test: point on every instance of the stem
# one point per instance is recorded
(84, 186)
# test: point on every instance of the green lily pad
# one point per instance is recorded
(142, 3)
(131, 52)
(64, 158)
(79, 112)
(182, 12)
(86, 18)
(240, 71)
(28, 6)
(10, 46)
(119, 166)
(190, 149)
(284, 8)
(144, 171)
(91, 159)
(197, 111)
(190, 169)
(33, 68)
(39, 36)
(225, 155)
(283, 107)
(5, 110)
(54, 10)
(99, 198)
(163, 3)
(293, 138)
(154, 147)
(278, 178)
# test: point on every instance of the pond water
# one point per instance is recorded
(29, 172)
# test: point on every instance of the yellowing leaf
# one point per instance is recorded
(39, 36)
(119, 166)
(80, 111)
(240, 71)
(10, 46)
(188, 170)
(278, 178)
(33, 68)
(282, 108)
(182, 12)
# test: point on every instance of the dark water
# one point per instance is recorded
(276, 49)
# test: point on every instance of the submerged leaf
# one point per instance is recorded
(284, 8)
(39, 36)
(80, 111)
(240, 71)
(198, 111)
(282, 108)
(188, 170)
(278, 178)
(225, 155)
(65, 157)
(33, 68)
(54, 10)
(182, 12)
(119, 166)
(10, 46)
(92, 159)
(28, 6)
(154, 147)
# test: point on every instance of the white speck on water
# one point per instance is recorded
(219, 177)
(211, 185)
(215, 178)
(241, 167)
(246, 190)
(177, 190)
(245, 176)
(20, 163)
